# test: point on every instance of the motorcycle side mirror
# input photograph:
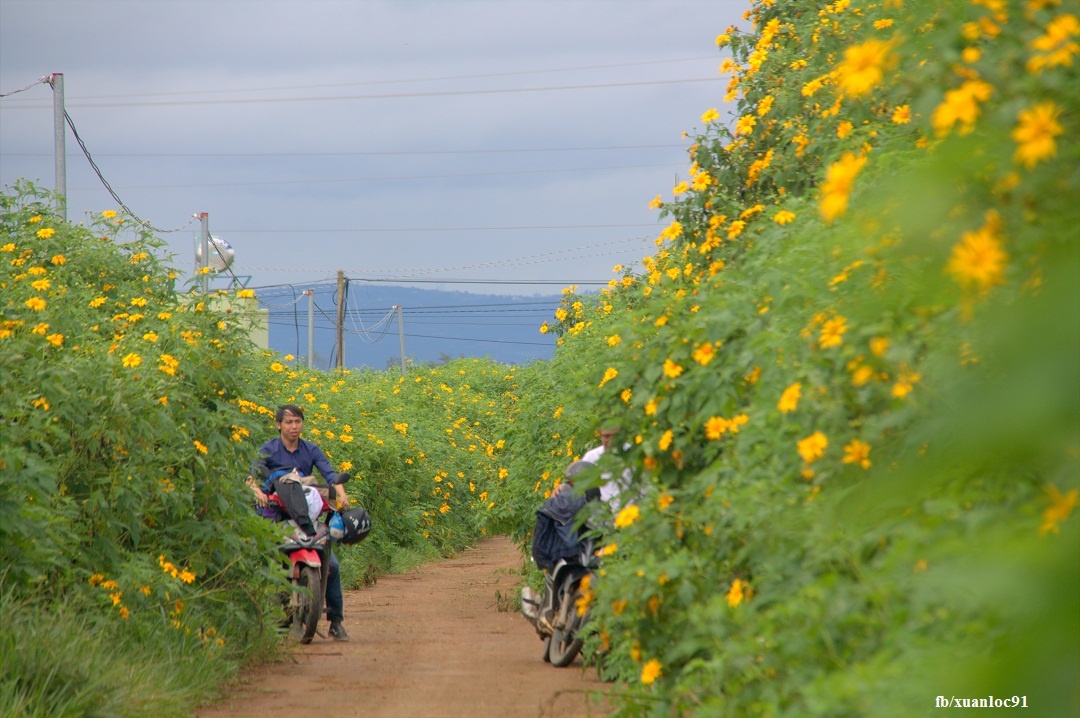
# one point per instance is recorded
(343, 478)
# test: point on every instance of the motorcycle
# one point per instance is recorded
(560, 613)
(308, 554)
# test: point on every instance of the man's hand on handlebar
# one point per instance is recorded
(260, 498)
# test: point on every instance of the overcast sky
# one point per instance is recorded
(509, 141)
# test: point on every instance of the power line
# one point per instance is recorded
(39, 81)
(365, 153)
(109, 188)
(443, 78)
(507, 228)
(391, 178)
(387, 96)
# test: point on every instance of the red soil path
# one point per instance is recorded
(427, 644)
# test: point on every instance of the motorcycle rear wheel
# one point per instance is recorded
(566, 642)
(305, 617)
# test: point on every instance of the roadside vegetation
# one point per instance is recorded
(845, 384)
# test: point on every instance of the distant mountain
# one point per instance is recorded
(437, 325)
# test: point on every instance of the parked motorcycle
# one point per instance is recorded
(308, 554)
(560, 613)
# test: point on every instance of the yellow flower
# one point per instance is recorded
(650, 407)
(45, 232)
(58, 259)
(839, 180)
(784, 217)
(978, 259)
(503, 473)
(864, 66)
(843, 129)
(55, 339)
(961, 105)
(740, 591)
(857, 452)
(132, 360)
(277, 367)
(97, 302)
(168, 364)
(665, 440)
(789, 400)
(109, 213)
(671, 369)
(150, 336)
(35, 219)
(681, 188)
(745, 125)
(656, 203)
(608, 550)
(813, 447)
(905, 383)
(246, 293)
(709, 116)
(35, 303)
(879, 345)
(902, 115)
(1059, 510)
(200, 446)
(625, 395)
(609, 374)
(1035, 132)
(716, 426)
(832, 333)
(704, 353)
(664, 501)
(652, 670)
(41, 403)
(627, 516)
(672, 231)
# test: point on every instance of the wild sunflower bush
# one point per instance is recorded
(132, 412)
(426, 450)
(121, 433)
(847, 379)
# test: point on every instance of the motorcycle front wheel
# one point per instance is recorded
(566, 642)
(309, 604)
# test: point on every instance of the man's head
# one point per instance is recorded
(289, 420)
(606, 434)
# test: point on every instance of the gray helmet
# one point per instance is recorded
(577, 467)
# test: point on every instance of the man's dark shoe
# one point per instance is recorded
(337, 631)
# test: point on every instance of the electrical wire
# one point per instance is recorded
(391, 178)
(41, 80)
(387, 96)
(109, 188)
(506, 228)
(443, 78)
(366, 153)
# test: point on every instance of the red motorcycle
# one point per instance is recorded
(307, 549)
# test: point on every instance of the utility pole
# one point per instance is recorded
(310, 328)
(341, 289)
(59, 133)
(401, 337)
(204, 263)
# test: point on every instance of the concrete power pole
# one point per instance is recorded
(310, 328)
(59, 133)
(401, 337)
(204, 263)
(341, 289)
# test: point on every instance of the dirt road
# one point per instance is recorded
(426, 644)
